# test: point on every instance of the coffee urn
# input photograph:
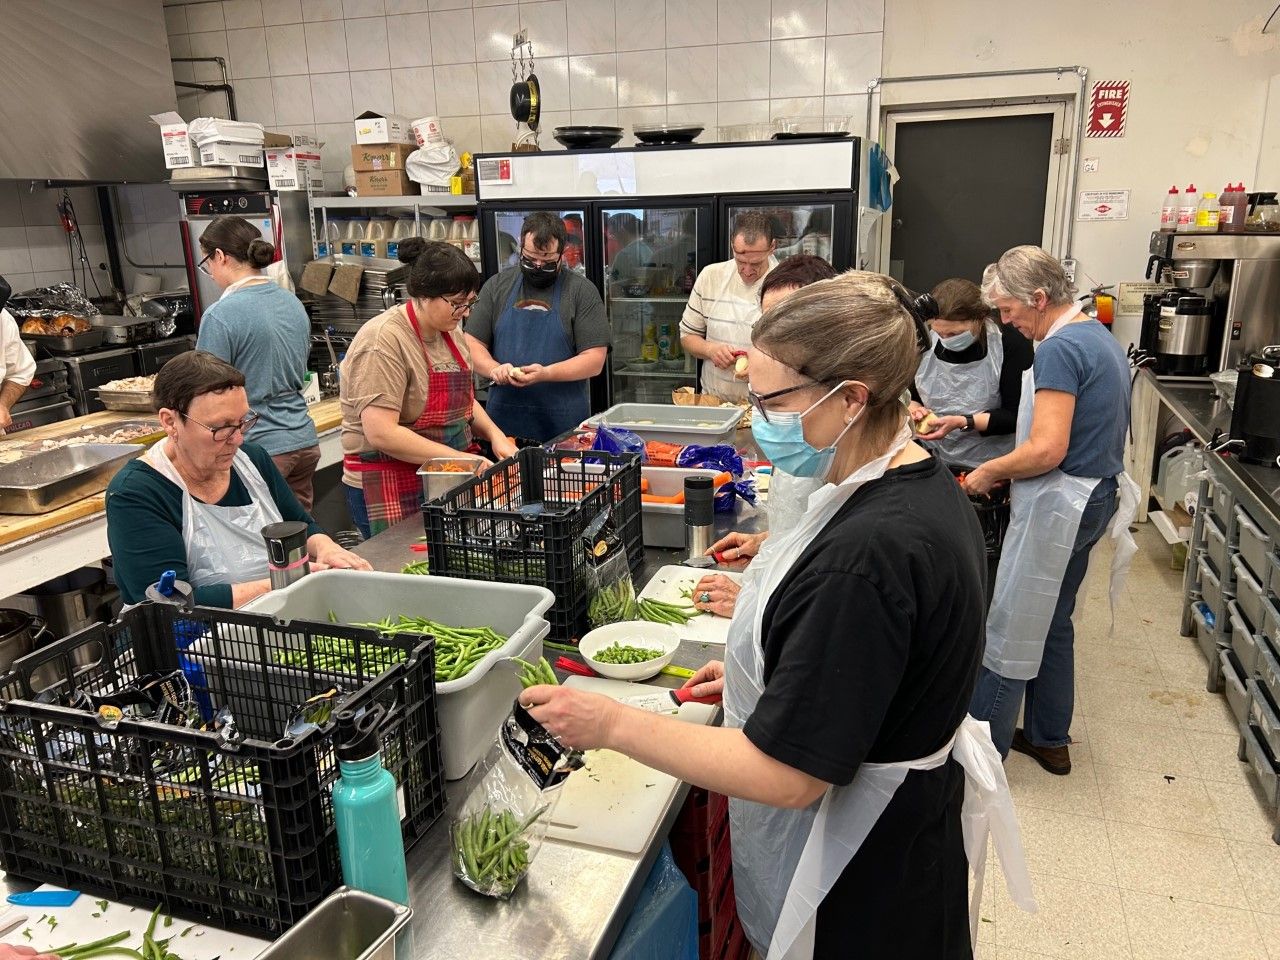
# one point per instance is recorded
(1182, 338)
(1255, 418)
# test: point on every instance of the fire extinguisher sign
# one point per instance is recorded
(1108, 109)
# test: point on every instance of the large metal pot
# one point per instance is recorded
(19, 631)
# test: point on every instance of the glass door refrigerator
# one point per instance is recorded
(648, 219)
(650, 257)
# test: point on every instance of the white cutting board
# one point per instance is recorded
(665, 585)
(77, 924)
(615, 802)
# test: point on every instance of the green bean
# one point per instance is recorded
(533, 674)
(619, 653)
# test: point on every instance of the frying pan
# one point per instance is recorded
(526, 101)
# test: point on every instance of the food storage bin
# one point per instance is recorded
(471, 707)
(1214, 595)
(1243, 642)
(1249, 594)
(662, 524)
(349, 925)
(1263, 715)
(1254, 544)
(439, 475)
(1233, 688)
(673, 424)
(1216, 549)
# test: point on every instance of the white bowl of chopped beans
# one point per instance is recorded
(633, 650)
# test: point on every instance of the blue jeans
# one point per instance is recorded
(357, 509)
(1050, 697)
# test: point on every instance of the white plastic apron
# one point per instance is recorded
(955, 389)
(785, 861)
(1044, 519)
(224, 544)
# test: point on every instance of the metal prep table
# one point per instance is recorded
(576, 899)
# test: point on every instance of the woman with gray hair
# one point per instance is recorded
(1068, 474)
(849, 663)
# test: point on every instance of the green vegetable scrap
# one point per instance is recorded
(490, 852)
(532, 674)
(103, 904)
(659, 611)
(419, 567)
(620, 653)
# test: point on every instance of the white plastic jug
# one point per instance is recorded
(1175, 465)
(376, 234)
(353, 235)
(402, 229)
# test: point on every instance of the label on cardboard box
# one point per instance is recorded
(384, 183)
(385, 156)
(219, 154)
(374, 127)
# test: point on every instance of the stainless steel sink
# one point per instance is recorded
(46, 481)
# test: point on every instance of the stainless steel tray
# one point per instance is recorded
(127, 401)
(46, 481)
(347, 925)
(76, 343)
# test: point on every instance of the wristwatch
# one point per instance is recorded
(968, 421)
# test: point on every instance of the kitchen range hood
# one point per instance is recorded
(79, 80)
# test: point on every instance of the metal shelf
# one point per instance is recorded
(683, 299)
(427, 201)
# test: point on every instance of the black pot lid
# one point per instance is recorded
(587, 131)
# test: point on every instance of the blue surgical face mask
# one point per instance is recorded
(781, 440)
(960, 341)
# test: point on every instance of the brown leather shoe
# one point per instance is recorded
(1057, 760)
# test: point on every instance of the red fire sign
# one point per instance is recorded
(1108, 108)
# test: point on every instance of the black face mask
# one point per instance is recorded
(536, 276)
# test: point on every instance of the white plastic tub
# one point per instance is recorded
(662, 524)
(471, 708)
(671, 423)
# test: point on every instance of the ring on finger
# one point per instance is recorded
(704, 597)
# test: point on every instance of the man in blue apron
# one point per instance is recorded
(540, 333)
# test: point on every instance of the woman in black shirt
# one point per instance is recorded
(851, 656)
(971, 379)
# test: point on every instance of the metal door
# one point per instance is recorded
(500, 235)
(200, 210)
(974, 182)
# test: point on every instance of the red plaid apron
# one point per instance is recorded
(392, 489)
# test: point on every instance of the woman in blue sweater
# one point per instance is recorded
(263, 331)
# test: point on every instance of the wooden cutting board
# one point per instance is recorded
(77, 924)
(666, 584)
(614, 802)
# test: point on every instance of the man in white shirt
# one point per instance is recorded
(19, 365)
(725, 304)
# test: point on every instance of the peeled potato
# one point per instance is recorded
(517, 373)
(740, 367)
(927, 424)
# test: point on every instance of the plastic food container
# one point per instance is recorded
(472, 707)
(673, 424)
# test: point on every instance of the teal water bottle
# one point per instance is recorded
(366, 810)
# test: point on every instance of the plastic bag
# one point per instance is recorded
(728, 494)
(609, 586)
(434, 164)
(499, 828)
(659, 453)
(619, 440)
(722, 457)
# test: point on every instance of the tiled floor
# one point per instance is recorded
(1155, 846)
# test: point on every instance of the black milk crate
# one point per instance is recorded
(240, 834)
(522, 521)
(992, 509)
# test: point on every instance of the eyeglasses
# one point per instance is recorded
(758, 400)
(227, 431)
(202, 266)
(460, 308)
(539, 262)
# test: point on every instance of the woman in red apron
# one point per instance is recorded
(406, 390)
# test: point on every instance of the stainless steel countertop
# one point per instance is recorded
(1197, 405)
(576, 899)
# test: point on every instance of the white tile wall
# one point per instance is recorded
(306, 66)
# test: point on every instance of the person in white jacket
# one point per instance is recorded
(19, 366)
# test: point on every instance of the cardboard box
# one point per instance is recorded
(374, 127)
(384, 183)
(179, 150)
(366, 158)
(272, 141)
(291, 168)
(220, 154)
